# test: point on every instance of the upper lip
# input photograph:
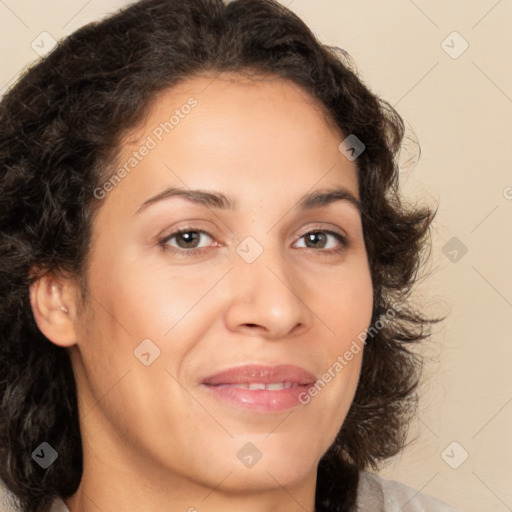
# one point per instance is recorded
(261, 373)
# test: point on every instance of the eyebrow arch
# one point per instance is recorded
(317, 199)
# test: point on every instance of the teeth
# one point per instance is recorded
(274, 386)
(256, 385)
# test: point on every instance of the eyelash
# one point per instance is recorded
(190, 252)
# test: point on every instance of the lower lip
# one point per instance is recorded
(259, 400)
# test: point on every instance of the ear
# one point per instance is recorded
(53, 301)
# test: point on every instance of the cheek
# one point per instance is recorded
(133, 302)
(348, 305)
(140, 309)
(347, 311)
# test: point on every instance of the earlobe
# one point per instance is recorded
(53, 307)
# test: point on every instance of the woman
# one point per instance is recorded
(205, 265)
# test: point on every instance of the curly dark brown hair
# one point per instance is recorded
(61, 126)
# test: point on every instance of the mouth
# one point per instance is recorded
(260, 388)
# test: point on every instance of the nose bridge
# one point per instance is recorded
(266, 290)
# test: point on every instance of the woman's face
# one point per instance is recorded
(166, 313)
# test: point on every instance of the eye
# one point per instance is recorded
(187, 240)
(319, 237)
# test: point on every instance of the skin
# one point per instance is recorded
(153, 439)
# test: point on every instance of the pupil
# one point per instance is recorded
(312, 236)
(190, 235)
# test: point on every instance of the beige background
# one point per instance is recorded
(460, 110)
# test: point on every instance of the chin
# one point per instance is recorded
(265, 464)
(268, 477)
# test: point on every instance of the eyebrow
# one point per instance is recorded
(317, 199)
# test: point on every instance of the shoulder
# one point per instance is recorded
(7, 499)
(380, 495)
(8, 502)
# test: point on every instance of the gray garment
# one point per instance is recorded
(375, 494)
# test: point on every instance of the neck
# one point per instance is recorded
(120, 480)
(136, 493)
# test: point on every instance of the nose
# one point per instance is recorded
(268, 298)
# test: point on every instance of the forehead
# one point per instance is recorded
(243, 100)
(235, 84)
(240, 131)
